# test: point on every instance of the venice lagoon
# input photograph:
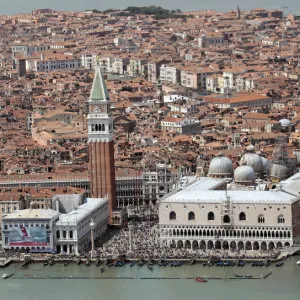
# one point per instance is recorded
(283, 283)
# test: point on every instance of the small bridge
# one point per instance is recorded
(284, 251)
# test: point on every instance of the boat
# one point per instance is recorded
(152, 262)
(192, 262)
(150, 267)
(52, 262)
(5, 276)
(233, 263)
(200, 279)
(46, 263)
(243, 276)
(279, 264)
(102, 270)
(98, 262)
(25, 263)
(204, 264)
(298, 262)
(79, 261)
(268, 263)
(66, 263)
(88, 263)
(210, 263)
(141, 262)
(241, 263)
(261, 263)
(132, 263)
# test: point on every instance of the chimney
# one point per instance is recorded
(42, 56)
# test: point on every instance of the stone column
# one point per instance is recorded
(92, 225)
(130, 227)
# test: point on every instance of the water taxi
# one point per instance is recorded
(200, 279)
(5, 276)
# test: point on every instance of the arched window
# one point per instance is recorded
(242, 216)
(210, 216)
(93, 127)
(191, 215)
(172, 215)
(261, 219)
(226, 219)
(103, 127)
(280, 219)
(96, 127)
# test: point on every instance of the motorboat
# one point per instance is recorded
(200, 279)
(5, 276)
(298, 263)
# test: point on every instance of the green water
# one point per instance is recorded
(283, 283)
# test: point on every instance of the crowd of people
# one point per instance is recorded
(141, 241)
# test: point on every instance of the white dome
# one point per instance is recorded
(254, 161)
(220, 166)
(250, 148)
(285, 122)
(266, 164)
(279, 171)
(244, 175)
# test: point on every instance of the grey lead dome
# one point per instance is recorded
(220, 166)
(244, 175)
(253, 160)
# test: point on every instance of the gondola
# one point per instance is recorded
(150, 267)
(88, 263)
(210, 263)
(66, 263)
(268, 263)
(132, 263)
(241, 263)
(52, 262)
(192, 262)
(46, 263)
(102, 270)
(261, 263)
(243, 276)
(98, 262)
(279, 264)
(233, 263)
(204, 264)
(79, 261)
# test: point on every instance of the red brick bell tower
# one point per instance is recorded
(101, 144)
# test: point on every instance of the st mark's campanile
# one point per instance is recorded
(100, 143)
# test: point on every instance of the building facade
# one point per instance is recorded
(72, 230)
(29, 229)
(201, 217)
